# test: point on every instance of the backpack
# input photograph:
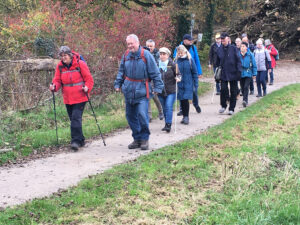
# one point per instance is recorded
(276, 56)
(78, 56)
(142, 55)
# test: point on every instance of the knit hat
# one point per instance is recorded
(65, 50)
(165, 50)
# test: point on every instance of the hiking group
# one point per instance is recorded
(146, 72)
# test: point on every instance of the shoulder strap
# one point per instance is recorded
(143, 55)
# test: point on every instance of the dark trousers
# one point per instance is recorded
(251, 85)
(225, 94)
(75, 112)
(195, 99)
(261, 81)
(245, 83)
(185, 105)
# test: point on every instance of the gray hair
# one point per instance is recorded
(238, 39)
(65, 50)
(259, 41)
(268, 42)
(133, 36)
(150, 41)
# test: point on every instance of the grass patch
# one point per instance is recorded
(26, 132)
(244, 171)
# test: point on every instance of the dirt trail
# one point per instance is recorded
(46, 176)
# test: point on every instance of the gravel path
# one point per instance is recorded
(43, 177)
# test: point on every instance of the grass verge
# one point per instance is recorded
(26, 133)
(244, 171)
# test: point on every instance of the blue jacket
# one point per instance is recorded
(230, 61)
(194, 53)
(135, 68)
(249, 67)
(189, 78)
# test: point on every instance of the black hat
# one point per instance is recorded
(187, 37)
(224, 35)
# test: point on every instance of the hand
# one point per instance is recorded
(117, 89)
(85, 89)
(52, 87)
(209, 66)
(270, 70)
(199, 76)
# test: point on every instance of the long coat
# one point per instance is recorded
(71, 79)
(230, 61)
(189, 78)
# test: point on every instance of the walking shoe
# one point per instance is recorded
(161, 116)
(168, 127)
(241, 94)
(144, 145)
(230, 112)
(251, 92)
(135, 144)
(185, 120)
(258, 96)
(179, 113)
(245, 103)
(164, 129)
(75, 146)
(222, 110)
(271, 83)
(218, 93)
(82, 144)
(198, 109)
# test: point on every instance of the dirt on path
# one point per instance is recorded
(43, 177)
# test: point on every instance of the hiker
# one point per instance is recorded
(189, 80)
(150, 44)
(249, 70)
(251, 48)
(168, 96)
(230, 62)
(273, 53)
(74, 77)
(263, 62)
(213, 58)
(137, 67)
(188, 44)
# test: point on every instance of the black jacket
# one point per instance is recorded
(168, 78)
(213, 54)
(230, 61)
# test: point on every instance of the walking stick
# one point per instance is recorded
(95, 116)
(54, 109)
(176, 100)
(213, 95)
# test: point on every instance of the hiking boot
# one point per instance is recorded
(230, 112)
(135, 144)
(144, 145)
(245, 103)
(185, 120)
(222, 110)
(179, 113)
(161, 116)
(251, 92)
(258, 96)
(164, 129)
(271, 83)
(198, 109)
(218, 93)
(75, 146)
(82, 144)
(168, 127)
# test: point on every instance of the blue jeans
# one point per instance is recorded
(271, 76)
(138, 120)
(261, 81)
(167, 103)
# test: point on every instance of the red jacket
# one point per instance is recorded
(273, 53)
(73, 76)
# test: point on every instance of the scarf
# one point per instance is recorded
(163, 65)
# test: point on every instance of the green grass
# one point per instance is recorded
(26, 132)
(244, 171)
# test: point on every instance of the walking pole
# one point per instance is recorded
(212, 98)
(176, 100)
(54, 109)
(95, 116)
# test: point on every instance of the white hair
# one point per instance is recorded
(259, 41)
(182, 48)
(150, 41)
(132, 36)
(238, 39)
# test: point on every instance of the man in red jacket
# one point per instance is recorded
(73, 75)
(273, 53)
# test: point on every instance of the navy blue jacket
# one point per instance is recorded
(135, 68)
(230, 61)
(189, 78)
